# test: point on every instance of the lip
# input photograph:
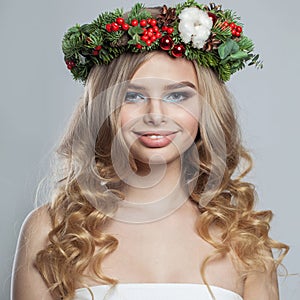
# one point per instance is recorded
(157, 132)
(165, 139)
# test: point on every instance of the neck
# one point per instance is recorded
(153, 193)
(155, 183)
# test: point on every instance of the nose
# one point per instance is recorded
(154, 114)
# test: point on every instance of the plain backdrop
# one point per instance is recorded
(38, 96)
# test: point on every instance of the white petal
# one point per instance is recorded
(189, 13)
(198, 43)
(186, 27)
(185, 38)
(202, 33)
(205, 19)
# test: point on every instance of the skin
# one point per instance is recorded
(152, 250)
(155, 108)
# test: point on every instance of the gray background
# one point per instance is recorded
(38, 96)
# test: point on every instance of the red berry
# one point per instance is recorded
(149, 20)
(114, 26)
(238, 34)
(225, 24)
(144, 38)
(70, 64)
(108, 27)
(232, 25)
(139, 46)
(98, 48)
(148, 43)
(233, 32)
(95, 52)
(153, 22)
(120, 21)
(164, 28)
(125, 26)
(143, 23)
(150, 30)
(239, 29)
(153, 38)
(150, 33)
(170, 30)
(144, 30)
(158, 35)
(134, 22)
(155, 28)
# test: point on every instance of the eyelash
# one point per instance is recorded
(134, 94)
(183, 95)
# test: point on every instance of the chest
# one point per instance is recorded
(173, 253)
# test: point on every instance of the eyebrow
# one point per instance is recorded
(176, 85)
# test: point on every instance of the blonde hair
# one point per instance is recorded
(77, 223)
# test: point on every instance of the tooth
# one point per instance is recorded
(155, 136)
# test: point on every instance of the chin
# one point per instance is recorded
(157, 156)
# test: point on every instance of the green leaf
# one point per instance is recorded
(85, 28)
(229, 47)
(239, 55)
(132, 42)
(235, 47)
(74, 29)
(135, 30)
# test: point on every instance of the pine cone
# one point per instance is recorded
(212, 43)
(167, 16)
(212, 6)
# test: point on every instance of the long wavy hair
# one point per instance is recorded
(84, 157)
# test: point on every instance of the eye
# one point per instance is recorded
(134, 97)
(176, 97)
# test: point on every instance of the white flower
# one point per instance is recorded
(195, 25)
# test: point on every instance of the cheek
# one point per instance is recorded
(126, 116)
(188, 121)
(191, 125)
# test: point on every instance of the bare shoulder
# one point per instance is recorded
(27, 282)
(37, 220)
(34, 231)
(263, 284)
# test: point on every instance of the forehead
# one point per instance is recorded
(162, 66)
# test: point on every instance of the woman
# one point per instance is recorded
(148, 197)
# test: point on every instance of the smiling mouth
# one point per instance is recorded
(155, 134)
(156, 139)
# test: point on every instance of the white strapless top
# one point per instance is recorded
(155, 291)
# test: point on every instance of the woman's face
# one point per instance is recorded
(159, 114)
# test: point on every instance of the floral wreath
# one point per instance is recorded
(211, 36)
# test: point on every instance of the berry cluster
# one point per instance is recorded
(150, 31)
(96, 50)
(167, 29)
(119, 24)
(235, 29)
(70, 64)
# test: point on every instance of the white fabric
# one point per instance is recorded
(155, 291)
